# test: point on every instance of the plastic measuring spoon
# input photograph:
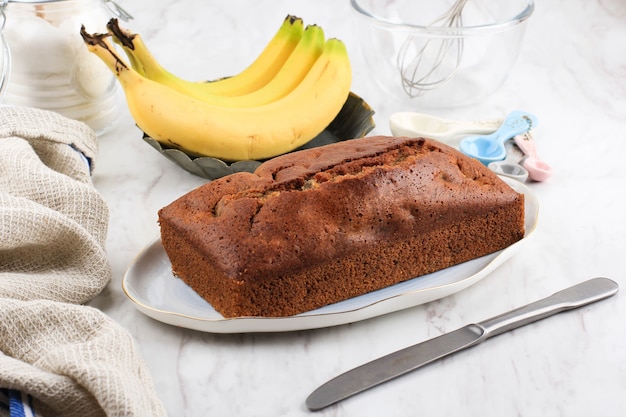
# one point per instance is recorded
(424, 125)
(490, 148)
(510, 166)
(538, 170)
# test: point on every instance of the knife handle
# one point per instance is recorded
(586, 292)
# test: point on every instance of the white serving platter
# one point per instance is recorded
(156, 292)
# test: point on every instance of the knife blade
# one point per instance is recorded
(413, 357)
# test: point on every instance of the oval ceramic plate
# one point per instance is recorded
(150, 284)
(355, 120)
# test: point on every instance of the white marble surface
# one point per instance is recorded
(571, 73)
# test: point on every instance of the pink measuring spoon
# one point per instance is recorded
(537, 169)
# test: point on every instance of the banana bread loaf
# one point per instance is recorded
(326, 224)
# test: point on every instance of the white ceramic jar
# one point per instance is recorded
(50, 67)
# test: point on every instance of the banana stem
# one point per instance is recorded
(140, 58)
(99, 44)
(124, 38)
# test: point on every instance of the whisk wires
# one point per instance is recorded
(436, 61)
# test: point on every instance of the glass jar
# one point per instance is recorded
(5, 57)
(50, 67)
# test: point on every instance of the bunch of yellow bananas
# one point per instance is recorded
(287, 96)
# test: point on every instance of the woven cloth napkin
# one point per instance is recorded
(65, 358)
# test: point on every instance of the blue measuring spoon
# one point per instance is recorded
(490, 148)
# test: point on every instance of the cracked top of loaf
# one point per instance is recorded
(304, 208)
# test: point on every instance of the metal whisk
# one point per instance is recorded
(436, 61)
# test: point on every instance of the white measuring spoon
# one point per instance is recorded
(446, 131)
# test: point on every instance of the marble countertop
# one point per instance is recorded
(571, 73)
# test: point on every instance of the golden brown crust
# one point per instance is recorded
(322, 225)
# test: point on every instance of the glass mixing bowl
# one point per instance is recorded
(440, 54)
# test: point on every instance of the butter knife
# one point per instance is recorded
(408, 359)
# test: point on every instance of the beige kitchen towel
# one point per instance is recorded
(70, 359)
